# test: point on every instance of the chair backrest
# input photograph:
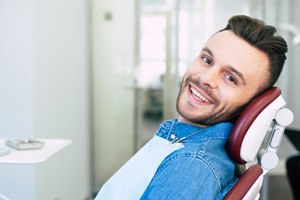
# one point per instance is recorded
(264, 118)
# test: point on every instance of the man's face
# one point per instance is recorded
(226, 75)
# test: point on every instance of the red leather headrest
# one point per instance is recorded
(245, 120)
(245, 183)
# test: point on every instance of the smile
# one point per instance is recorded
(198, 96)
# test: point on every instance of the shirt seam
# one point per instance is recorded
(204, 138)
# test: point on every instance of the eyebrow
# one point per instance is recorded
(239, 74)
(208, 51)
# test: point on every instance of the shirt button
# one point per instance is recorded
(173, 136)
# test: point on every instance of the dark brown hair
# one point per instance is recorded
(261, 36)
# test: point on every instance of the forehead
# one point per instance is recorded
(230, 50)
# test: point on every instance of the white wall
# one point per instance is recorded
(44, 88)
(294, 70)
(16, 76)
(113, 43)
(286, 12)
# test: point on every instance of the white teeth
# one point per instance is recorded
(198, 95)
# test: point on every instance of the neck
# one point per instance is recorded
(184, 120)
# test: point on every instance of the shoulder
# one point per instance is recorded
(183, 177)
(206, 160)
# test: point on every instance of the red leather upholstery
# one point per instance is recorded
(245, 182)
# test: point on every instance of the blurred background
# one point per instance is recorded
(105, 73)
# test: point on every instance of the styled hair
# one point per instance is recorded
(264, 38)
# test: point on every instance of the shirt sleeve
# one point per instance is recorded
(184, 177)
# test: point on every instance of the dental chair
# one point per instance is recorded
(255, 140)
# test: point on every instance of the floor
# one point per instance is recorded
(279, 188)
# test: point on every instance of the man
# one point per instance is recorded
(235, 65)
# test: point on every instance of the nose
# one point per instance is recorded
(209, 77)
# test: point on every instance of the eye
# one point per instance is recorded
(231, 79)
(207, 60)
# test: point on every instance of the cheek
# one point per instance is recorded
(233, 99)
(195, 67)
(194, 73)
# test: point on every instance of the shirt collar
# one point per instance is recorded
(173, 129)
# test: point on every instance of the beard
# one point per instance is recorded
(218, 113)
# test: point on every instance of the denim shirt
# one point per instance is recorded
(200, 170)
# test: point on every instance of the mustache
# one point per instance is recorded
(197, 82)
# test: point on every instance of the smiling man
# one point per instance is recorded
(226, 75)
(187, 158)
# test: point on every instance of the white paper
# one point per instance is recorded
(131, 180)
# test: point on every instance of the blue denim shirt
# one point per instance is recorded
(200, 170)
